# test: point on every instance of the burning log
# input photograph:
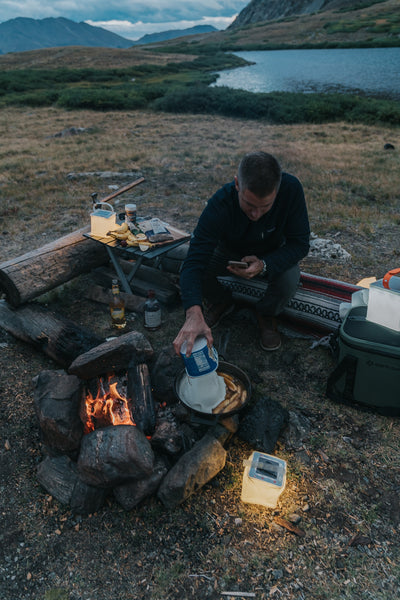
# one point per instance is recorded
(58, 337)
(107, 405)
(114, 455)
(34, 273)
(141, 397)
(113, 355)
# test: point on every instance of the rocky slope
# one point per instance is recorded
(270, 10)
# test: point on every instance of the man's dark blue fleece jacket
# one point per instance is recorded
(280, 237)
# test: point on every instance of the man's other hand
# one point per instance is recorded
(255, 267)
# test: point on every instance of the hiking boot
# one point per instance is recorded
(216, 312)
(269, 336)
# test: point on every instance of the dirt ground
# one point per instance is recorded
(342, 492)
(343, 481)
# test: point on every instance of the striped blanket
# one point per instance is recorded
(315, 306)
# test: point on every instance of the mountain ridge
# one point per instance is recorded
(169, 34)
(24, 34)
(270, 10)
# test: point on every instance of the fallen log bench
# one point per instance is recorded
(31, 275)
(28, 276)
(55, 335)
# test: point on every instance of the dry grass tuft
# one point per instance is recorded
(351, 182)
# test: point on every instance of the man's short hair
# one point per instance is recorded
(260, 173)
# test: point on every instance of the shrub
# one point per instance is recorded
(279, 107)
(100, 99)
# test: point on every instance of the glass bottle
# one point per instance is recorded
(152, 312)
(117, 307)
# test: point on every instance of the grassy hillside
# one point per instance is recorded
(374, 25)
(371, 26)
(175, 76)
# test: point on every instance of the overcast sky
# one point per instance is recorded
(129, 18)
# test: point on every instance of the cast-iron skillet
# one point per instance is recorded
(229, 369)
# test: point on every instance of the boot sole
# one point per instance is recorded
(270, 349)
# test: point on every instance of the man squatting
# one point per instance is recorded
(259, 218)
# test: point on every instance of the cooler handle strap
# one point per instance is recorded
(348, 368)
(387, 277)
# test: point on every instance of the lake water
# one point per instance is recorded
(374, 71)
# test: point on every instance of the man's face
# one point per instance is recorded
(253, 206)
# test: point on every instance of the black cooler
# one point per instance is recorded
(368, 369)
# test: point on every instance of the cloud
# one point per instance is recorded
(134, 31)
(150, 11)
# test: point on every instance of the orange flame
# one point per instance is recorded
(108, 408)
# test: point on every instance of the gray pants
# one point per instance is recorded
(280, 290)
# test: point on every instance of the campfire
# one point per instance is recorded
(122, 433)
(108, 407)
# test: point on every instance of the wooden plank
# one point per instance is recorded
(127, 187)
(102, 295)
(104, 276)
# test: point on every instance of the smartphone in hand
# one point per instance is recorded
(238, 263)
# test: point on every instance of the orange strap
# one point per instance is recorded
(388, 275)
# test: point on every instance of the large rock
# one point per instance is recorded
(113, 355)
(57, 397)
(113, 455)
(263, 424)
(193, 470)
(131, 494)
(59, 476)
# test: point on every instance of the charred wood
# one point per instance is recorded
(104, 276)
(55, 335)
(163, 374)
(168, 438)
(141, 397)
(100, 294)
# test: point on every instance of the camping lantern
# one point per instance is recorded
(264, 479)
(102, 220)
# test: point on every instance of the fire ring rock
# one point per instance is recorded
(112, 355)
(193, 470)
(115, 454)
(57, 397)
